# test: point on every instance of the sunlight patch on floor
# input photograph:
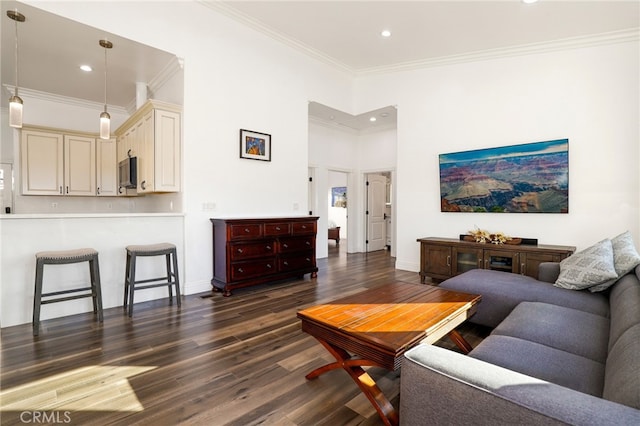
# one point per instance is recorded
(91, 388)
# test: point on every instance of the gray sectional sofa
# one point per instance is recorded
(555, 356)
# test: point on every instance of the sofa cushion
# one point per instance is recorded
(625, 258)
(543, 362)
(622, 374)
(567, 329)
(624, 301)
(502, 291)
(587, 268)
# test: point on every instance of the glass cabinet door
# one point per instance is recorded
(466, 259)
(501, 261)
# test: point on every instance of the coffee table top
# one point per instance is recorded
(391, 318)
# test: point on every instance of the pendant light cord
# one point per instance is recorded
(105, 79)
(16, 37)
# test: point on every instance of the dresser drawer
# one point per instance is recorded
(245, 231)
(251, 269)
(296, 262)
(304, 228)
(297, 244)
(277, 229)
(242, 251)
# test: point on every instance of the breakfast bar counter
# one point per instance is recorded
(23, 235)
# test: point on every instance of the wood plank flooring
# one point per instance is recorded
(239, 360)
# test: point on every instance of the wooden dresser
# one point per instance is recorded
(260, 250)
(442, 258)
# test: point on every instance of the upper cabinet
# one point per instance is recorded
(54, 163)
(106, 161)
(153, 135)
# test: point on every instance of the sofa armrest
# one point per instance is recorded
(438, 386)
(548, 271)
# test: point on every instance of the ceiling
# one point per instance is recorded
(345, 34)
(52, 48)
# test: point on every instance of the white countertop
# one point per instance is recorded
(85, 215)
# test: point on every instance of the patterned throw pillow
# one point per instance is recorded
(625, 258)
(587, 268)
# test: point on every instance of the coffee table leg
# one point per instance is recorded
(460, 341)
(367, 385)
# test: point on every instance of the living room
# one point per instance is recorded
(585, 89)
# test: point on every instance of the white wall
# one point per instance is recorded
(235, 78)
(589, 95)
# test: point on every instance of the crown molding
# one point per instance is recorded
(623, 36)
(344, 128)
(52, 97)
(171, 69)
(257, 25)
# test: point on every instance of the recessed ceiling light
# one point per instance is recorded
(385, 33)
(529, 1)
(86, 68)
(372, 119)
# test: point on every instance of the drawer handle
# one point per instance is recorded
(268, 266)
(285, 245)
(304, 226)
(277, 228)
(308, 243)
(285, 263)
(307, 259)
(240, 270)
(268, 247)
(522, 270)
(239, 250)
(247, 230)
(143, 185)
(448, 260)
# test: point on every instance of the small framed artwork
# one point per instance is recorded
(339, 196)
(255, 145)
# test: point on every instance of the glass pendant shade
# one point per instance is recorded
(105, 125)
(15, 111)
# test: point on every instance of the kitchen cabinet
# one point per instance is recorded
(153, 135)
(55, 163)
(257, 251)
(442, 258)
(106, 168)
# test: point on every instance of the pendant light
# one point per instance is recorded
(15, 102)
(105, 118)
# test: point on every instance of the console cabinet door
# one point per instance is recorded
(466, 259)
(436, 261)
(529, 262)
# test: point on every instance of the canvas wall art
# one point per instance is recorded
(526, 178)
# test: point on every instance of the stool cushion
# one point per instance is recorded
(151, 248)
(78, 255)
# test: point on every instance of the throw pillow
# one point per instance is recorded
(625, 258)
(589, 267)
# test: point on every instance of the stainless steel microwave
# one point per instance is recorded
(128, 173)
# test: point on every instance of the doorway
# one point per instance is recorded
(337, 208)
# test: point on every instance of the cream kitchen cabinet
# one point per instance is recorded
(153, 135)
(106, 168)
(55, 163)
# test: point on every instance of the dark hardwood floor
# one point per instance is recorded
(239, 360)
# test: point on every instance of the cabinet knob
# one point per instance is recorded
(304, 226)
(285, 245)
(285, 263)
(308, 243)
(247, 230)
(143, 184)
(268, 266)
(240, 270)
(98, 191)
(277, 228)
(67, 189)
(268, 247)
(239, 250)
(61, 189)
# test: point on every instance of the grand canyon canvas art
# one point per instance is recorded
(526, 178)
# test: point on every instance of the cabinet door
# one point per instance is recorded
(42, 163)
(529, 262)
(436, 261)
(466, 259)
(145, 139)
(79, 165)
(106, 168)
(167, 136)
(498, 260)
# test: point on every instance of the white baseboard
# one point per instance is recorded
(197, 287)
(407, 266)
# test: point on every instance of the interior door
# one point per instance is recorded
(376, 224)
(6, 187)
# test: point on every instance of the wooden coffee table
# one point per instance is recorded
(378, 325)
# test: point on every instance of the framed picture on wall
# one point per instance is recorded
(255, 145)
(339, 196)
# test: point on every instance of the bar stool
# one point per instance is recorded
(61, 258)
(170, 279)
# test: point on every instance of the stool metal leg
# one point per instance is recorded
(127, 281)
(169, 274)
(37, 298)
(96, 288)
(175, 276)
(132, 281)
